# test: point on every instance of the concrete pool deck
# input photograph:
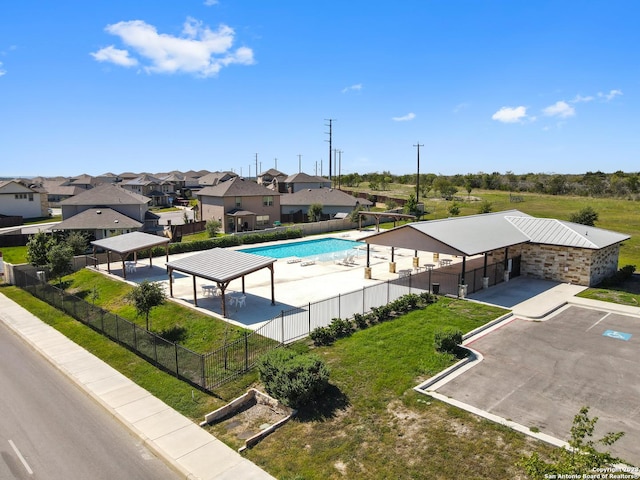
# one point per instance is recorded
(296, 285)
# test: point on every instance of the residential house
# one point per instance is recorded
(302, 181)
(272, 177)
(239, 204)
(18, 200)
(294, 207)
(160, 192)
(106, 207)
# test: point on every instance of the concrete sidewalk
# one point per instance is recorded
(187, 448)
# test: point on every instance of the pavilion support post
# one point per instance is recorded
(124, 269)
(171, 282)
(367, 269)
(166, 252)
(150, 259)
(273, 291)
(195, 293)
(243, 284)
(485, 279)
(506, 264)
(109, 261)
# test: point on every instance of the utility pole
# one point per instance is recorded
(276, 167)
(316, 168)
(339, 169)
(330, 132)
(256, 168)
(418, 174)
(299, 163)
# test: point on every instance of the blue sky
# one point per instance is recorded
(483, 85)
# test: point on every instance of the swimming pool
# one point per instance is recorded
(323, 248)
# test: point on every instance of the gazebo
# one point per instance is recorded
(221, 266)
(128, 243)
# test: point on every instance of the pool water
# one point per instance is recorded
(322, 248)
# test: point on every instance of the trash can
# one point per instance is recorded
(435, 288)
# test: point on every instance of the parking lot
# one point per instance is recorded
(540, 373)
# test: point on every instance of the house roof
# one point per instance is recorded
(302, 177)
(214, 178)
(236, 187)
(145, 179)
(130, 242)
(477, 234)
(67, 190)
(13, 186)
(272, 172)
(97, 219)
(329, 197)
(106, 194)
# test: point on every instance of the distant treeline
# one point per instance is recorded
(592, 184)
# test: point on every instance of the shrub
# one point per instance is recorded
(447, 340)
(322, 336)
(341, 328)
(292, 378)
(360, 321)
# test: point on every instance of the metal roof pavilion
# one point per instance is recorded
(221, 266)
(129, 243)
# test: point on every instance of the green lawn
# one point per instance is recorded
(371, 424)
(190, 328)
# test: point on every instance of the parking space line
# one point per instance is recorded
(606, 315)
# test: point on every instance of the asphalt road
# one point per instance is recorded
(50, 429)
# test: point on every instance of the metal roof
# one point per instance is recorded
(220, 264)
(550, 231)
(130, 242)
(477, 234)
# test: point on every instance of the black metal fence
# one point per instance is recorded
(241, 354)
(170, 356)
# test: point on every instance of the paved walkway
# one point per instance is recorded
(190, 450)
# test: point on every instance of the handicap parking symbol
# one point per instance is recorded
(617, 335)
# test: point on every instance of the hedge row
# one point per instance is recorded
(224, 241)
(339, 328)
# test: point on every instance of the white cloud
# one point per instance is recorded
(2, 70)
(209, 3)
(560, 109)
(510, 114)
(611, 95)
(114, 55)
(460, 107)
(357, 87)
(580, 99)
(199, 50)
(409, 116)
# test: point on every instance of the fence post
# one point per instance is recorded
(246, 352)
(203, 382)
(117, 329)
(135, 336)
(155, 347)
(339, 310)
(309, 311)
(282, 325)
(175, 346)
(364, 290)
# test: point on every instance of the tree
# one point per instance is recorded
(582, 456)
(37, 249)
(315, 212)
(411, 206)
(586, 216)
(212, 227)
(78, 241)
(59, 260)
(146, 296)
(454, 209)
